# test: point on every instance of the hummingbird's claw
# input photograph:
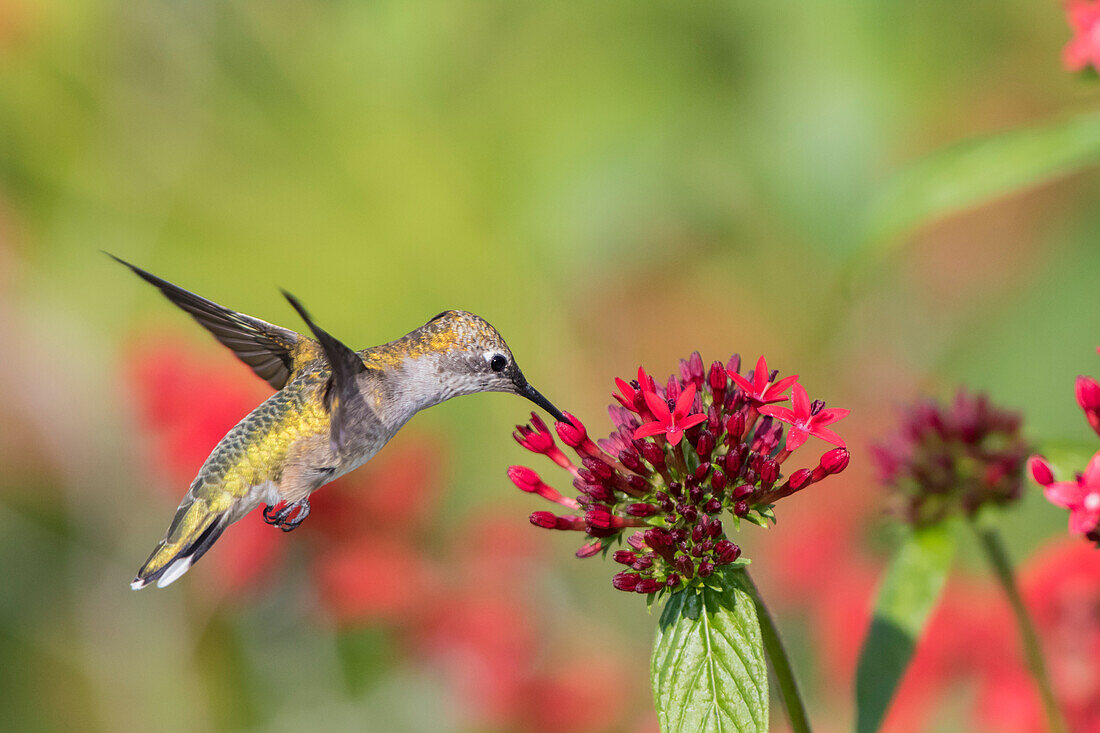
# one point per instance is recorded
(289, 517)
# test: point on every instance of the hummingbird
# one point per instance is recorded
(333, 409)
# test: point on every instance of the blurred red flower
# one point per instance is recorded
(1084, 48)
(1061, 586)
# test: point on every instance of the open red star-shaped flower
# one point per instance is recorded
(1081, 497)
(758, 390)
(631, 398)
(803, 419)
(674, 422)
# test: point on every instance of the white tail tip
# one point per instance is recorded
(174, 571)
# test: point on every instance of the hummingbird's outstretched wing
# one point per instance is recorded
(343, 397)
(266, 348)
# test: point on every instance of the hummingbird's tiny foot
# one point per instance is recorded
(287, 516)
(271, 516)
(289, 523)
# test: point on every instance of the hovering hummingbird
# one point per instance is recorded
(334, 408)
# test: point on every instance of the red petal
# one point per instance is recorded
(741, 382)
(760, 375)
(795, 438)
(800, 400)
(1067, 494)
(1082, 521)
(828, 435)
(692, 420)
(650, 428)
(1092, 472)
(828, 417)
(674, 435)
(657, 406)
(775, 392)
(683, 404)
(779, 413)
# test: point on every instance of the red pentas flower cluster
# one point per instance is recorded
(1082, 495)
(683, 454)
(953, 458)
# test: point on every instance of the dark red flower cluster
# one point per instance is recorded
(953, 458)
(1082, 495)
(705, 442)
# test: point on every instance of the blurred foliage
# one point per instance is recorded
(610, 184)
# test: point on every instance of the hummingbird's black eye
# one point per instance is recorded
(497, 363)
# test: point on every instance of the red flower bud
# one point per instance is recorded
(624, 557)
(769, 472)
(548, 520)
(641, 510)
(660, 541)
(705, 444)
(800, 479)
(717, 379)
(735, 426)
(626, 581)
(648, 585)
(835, 461)
(653, 453)
(572, 433)
(524, 478)
(1040, 470)
(726, 552)
(599, 517)
(1088, 393)
(589, 549)
(601, 470)
(631, 462)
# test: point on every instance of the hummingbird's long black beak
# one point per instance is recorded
(535, 396)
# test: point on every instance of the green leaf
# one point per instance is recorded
(976, 171)
(908, 594)
(708, 667)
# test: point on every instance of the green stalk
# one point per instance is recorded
(781, 665)
(1002, 568)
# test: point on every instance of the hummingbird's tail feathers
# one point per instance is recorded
(194, 530)
(267, 349)
(343, 398)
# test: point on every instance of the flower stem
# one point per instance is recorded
(1002, 568)
(781, 666)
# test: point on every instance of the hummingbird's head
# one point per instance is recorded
(477, 359)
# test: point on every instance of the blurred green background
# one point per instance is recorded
(610, 184)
